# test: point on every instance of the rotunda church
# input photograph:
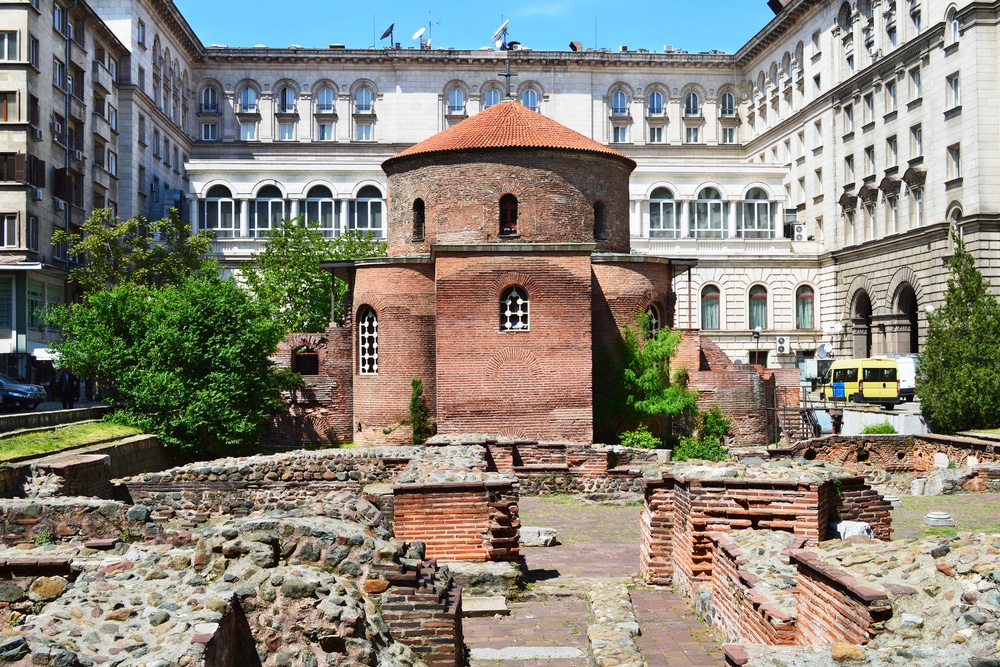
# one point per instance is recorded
(506, 282)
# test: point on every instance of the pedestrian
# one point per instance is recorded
(68, 387)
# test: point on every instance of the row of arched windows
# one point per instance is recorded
(709, 216)
(757, 310)
(693, 103)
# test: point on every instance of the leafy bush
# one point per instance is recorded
(714, 424)
(419, 416)
(709, 449)
(884, 428)
(640, 438)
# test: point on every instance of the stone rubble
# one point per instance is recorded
(613, 626)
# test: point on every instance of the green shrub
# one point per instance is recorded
(884, 428)
(640, 437)
(714, 424)
(419, 415)
(709, 449)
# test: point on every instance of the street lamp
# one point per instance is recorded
(756, 340)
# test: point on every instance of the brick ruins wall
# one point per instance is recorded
(66, 519)
(656, 525)
(896, 453)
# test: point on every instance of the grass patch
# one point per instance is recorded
(63, 437)
(941, 531)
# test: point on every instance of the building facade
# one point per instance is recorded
(813, 175)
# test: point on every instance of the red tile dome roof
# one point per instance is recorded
(508, 124)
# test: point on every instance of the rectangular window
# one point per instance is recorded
(32, 232)
(156, 142)
(8, 107)
(891, 152)
(113, 69)
(59, 74)
(8, 167)
(892, 215)
(848, 119)
(890, 96)
(286, 131)
(324, 132)
(140, 33)
(58, 18)
(815, 43)
(849, 169)
(209, 131)
(53, 299)
(891, 33)
(818, 83)
(850, 64)
(142, 79)
(819, 182)
(619, 135)
(6, 302)
(248, 131)
(166, 152)
(112, 163)
(113, 118)
(364, 132)
(915, 90)
(916, 141)
(869, 108)
(915, 18)
(177, 163)
(728, 135)
(954, 92)
(36, 302)
(8, 45)
(33, 56)
(870, 161)
(691, 135)
(9, 231)
(818, 134)
(142, 130)
(955, 161)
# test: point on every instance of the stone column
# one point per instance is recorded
(685, 220)
(244, 218)
(731, 232)
(193, 211)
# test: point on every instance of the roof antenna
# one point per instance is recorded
(388, 33)
(500, 36)
(500, 39)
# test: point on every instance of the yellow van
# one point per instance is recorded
(872, 380)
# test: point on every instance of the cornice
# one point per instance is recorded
(171, 18)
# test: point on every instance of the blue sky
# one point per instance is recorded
(543, 25)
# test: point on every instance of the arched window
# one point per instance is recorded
(530, 99)
(655, 103)
(710, 219)
(305, 361)
(600, 223)
(248, 100)
(363, 100)
(756, 216)
(418, 220)
(757, 308)
(727, 104)
(692, 105)
(324, 100)
(954, 25)
(664, 222)
(367, 341)
(209, 100)
(217, 212)
(514, 309)
(366, 211)
(844, 19)
(653, 320)
(619, 103)
(268, 211)
(286, 100)
(508, 215)
(456, 102)
(491, 97)
(321, 210)
(804, 307)
(710, 307)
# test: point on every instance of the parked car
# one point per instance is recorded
(872, 380)
(909, 368)
(14, 393)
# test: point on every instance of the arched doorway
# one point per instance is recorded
(906, 309)
(862, 325)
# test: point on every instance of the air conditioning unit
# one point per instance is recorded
(60, 205)
(36, 132)
(78, 155)
(782, 345)
(55, 127)
(37, 194)
(799, 233)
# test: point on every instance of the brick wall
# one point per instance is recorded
(897, 453)
(83, 474)
(460, 520)
(656, 524)
(856, 501)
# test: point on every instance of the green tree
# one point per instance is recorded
(652, 389)
(288, 274)
(419, 415)
(136, 251)
(959, 383)
(190, 361)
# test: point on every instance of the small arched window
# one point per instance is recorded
(727, 104)
(692, 105)
(954, 25)
(418, 220)
(286, 100)
(321, 210)
(367, 341)
(491, 97)
(757, 308)
(209, 100)
(600, 223)
(654, 322)
(514, 309)
(324, 100)
(655, 103)
(804, 307)
(363, 100)
(710, 307)
(844, 19)
(218, 212)
(268, 210)
(530, 99)
(664, 223)
(456, 102)
(508, 215)
(248, 100)
(619, 103)
(366, 211)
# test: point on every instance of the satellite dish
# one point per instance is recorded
(388, 31)
(418, 34)
(824, 350)
(500, 31)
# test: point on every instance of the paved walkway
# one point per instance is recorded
(548, 628)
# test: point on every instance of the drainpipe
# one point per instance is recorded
(67, 94)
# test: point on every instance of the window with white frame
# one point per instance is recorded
(692, 134)
(514, 309)
(286, 100)
(209, 131)
(36, 304)
(728, 135)
(218, 212)
(804, 298)
(491, 97)
(848, 118)
(619, 103)
(916, 141)
(529, 98)
(954, 161)
(9, 231)
(710, 307)
(363, 100)
(869, 161)
(915, 19)
(870, 220)
(321, 211)
(248, 131)
(112, 163)
(456, 102)
(891, 104)
(727, 104)
(324, 132)
(757, 307)
(656, 134)
(363, 131)
(954, 26)
(849, 169)
(654, 103)
(248, 100)
(954, 91)
(367, 341)
(8, 45)
(869, 108)
(286, 131)
(324, 100)
(756, 216)
(891, 152)
(267, 211)
(619, 134)
(692, 104)
(915, 89)
(892, 215)
(34, 56)
(709, 213)
(140, 33)
(366, 211)
(664, 215)
(59, 79)
(210, 100)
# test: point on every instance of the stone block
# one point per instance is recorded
(536, 536)
(848, 529)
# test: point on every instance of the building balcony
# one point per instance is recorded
(100, 126)
(101, 77)
(77, 109)
(725, 247)
(236, 249)
(101, 176)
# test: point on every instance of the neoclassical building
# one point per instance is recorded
(810, 178)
